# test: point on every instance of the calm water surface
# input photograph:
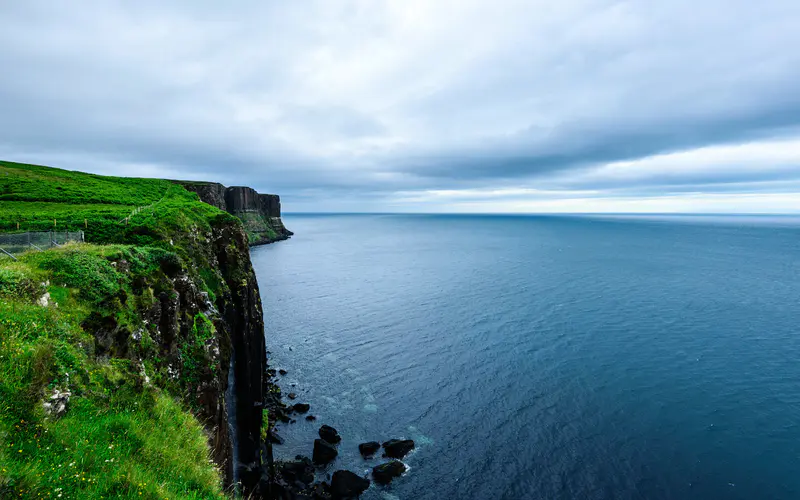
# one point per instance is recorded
(546, 357)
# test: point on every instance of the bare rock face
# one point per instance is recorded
(260, 213)
(212, 193)
(242, 199)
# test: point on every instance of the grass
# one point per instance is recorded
(36, 198)
(35, 183)
(130, 430)
(122, 437)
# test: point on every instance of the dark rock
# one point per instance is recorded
(384, 473)
(311, 418)
(274, 437)
(329, 434)
(369, 449)
(397, 448)
(321, 491)
(282, 371)
(291, 395)
(261, 213)
(345, 484)
(292, 421)
(304, 407)
(300, 470)
(324, 452)
(271, 372)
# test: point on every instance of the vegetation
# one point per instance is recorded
(122, 436)
(35, 198)
(129, 429)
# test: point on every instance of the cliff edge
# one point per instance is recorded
(132, 366)
(260, 213)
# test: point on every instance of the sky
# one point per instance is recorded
(418, 105)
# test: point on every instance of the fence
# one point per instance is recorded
(15, 243)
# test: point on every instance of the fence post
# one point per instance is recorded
(86, 223)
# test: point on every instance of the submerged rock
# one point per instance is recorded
(300, 470)
(397, 448)
(369, 449)
(329, 434)
(324, 452)
(301, 407)
(311, 418)
(384, 473)
(291, 395)
(345, 484)
(274, 437)
(281, 415)
(282, 371)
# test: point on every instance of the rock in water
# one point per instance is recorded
(274, 437)
(291, 395)
(397, 448)
(345, 484)
(384, 473)
(299, 470)
(302, 407)
(329, 434)
(311, 418)
(282, 371)
(324, 452)
(369, 449)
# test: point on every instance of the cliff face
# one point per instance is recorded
(240, 308)
(147, 343)
(202, 325)
(260, 213)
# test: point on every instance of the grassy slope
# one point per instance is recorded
(126, 434)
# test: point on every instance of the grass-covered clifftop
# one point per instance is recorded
(114, 354)
(37, 198)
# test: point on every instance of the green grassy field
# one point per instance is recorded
(129, 431)
(36, 198)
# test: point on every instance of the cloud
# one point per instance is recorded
(376, 105)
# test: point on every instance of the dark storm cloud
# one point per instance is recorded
(371, 101)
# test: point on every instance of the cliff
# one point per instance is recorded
(133, 366)
(260, 213)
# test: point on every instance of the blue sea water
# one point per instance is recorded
(546, 357)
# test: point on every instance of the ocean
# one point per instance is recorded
(545, 357)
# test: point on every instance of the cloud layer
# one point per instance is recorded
(418, 105)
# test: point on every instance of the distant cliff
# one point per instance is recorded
(260, 213)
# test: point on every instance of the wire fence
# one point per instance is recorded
(12, 244)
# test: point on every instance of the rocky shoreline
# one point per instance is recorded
(298, 478)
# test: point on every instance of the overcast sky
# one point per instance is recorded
(418, 105)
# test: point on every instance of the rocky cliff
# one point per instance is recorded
(201, 337)
(260, 213)
(141, 355)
